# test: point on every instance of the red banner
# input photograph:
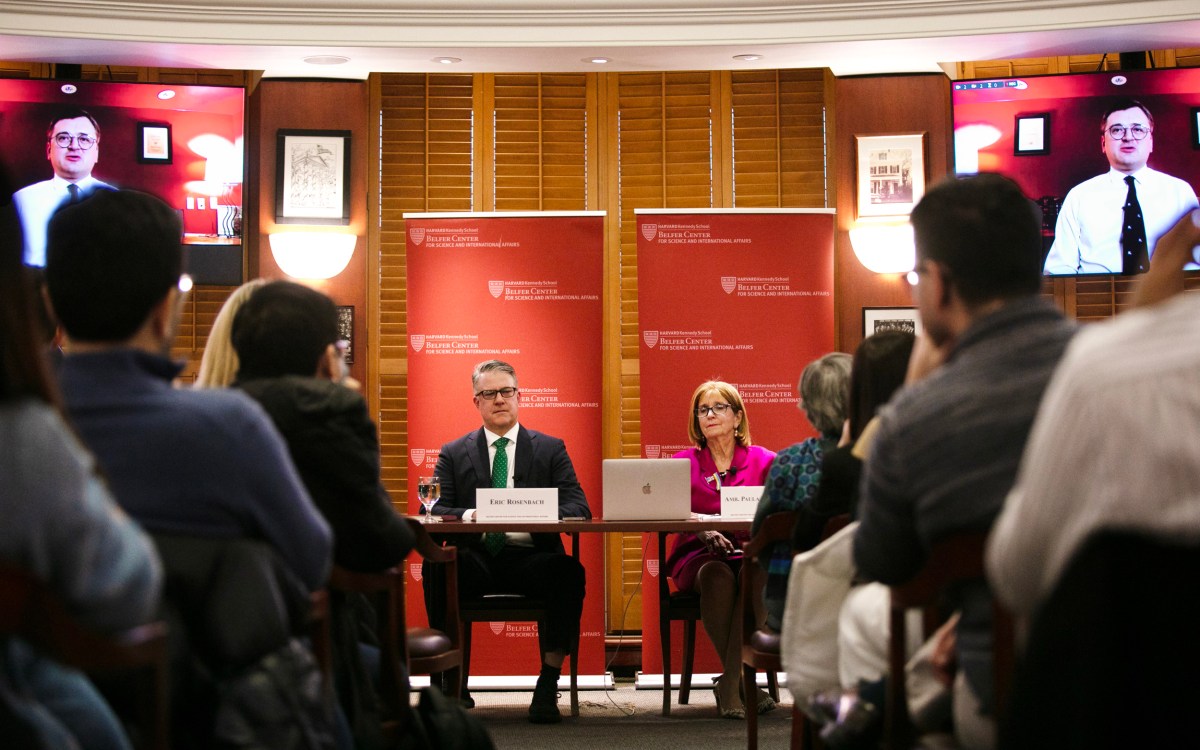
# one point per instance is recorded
(526, 289)
(744, 296)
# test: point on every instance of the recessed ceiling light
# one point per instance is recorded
(596, 60)
(747, 58)
(447, 60)
(166, 94)
(68, 88)
(326, 60)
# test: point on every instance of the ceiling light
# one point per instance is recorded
(596, 60)
(447, 60)
(68, 88)
(747, 58)
(326, 60)
(166, 94)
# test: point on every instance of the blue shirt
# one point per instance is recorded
(195, 462)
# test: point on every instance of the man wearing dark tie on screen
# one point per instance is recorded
(72, 148)
(1110, 223)
(503, 453)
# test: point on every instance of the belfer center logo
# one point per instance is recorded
(649, 231)
(729, 283)
(417, 455)
(497, 627)
(652, 567)
(415, 569)
(417, 234)
(653, 451)
(417, 340)
(496, 288)
(651, 338)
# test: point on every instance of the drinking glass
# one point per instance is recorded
(429, 489)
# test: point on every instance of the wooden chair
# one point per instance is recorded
(516, 608)
(409, 650)
(953, 561)
(760, 646)
(677, 605)
(36, 615)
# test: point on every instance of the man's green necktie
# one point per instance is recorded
(494, 541)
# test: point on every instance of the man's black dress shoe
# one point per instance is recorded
(544, 707)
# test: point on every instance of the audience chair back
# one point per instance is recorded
(953, 561)
(760, 646)
(33, 613)
(676, 605)
(515, 608)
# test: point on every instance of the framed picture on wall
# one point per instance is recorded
(345, 324)
(312, 177)
(878, 319)
(891, 173)
(1031, 135)
(154, 143)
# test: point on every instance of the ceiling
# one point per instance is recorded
(848, 36)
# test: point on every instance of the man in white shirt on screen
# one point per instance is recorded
(1092, 221)
(72, 148)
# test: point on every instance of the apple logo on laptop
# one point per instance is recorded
(646, 489)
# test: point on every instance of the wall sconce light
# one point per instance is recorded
(884, 246)
(312, 255)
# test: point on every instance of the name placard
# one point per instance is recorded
(740, 502)
(517, 504)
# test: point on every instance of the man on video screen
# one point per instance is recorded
(1110, 223)
(72, 148)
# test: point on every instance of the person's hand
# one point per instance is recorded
(925, 358)
(943, 659)
(716, 543)
(1174, 250)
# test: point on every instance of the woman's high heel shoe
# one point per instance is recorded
(727, 713)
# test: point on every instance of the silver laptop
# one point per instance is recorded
(647, 489)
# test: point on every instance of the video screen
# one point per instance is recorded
(1046, 133)
(184, 144)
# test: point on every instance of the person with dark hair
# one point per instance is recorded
(72, 148)
(504, 453)
(205, 463)
(1111, 223)
(62, 525)
(795, 472)
(876, 373)
(947, 446)
(285, 336)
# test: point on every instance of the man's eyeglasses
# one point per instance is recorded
(1136, 132)
(490, 395)
(718, 409)
(82, 141)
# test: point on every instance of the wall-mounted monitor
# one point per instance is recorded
(1046, 133)
(184, 144)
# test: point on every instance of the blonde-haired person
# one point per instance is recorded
(708, 561)
(219, 363)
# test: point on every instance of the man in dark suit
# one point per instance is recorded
(504, 454)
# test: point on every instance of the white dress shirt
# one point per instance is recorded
(37, 203)
(1087, 238)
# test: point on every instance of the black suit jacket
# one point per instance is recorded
(541, 461)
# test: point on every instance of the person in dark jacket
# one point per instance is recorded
(286, 341)
(285, 336)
